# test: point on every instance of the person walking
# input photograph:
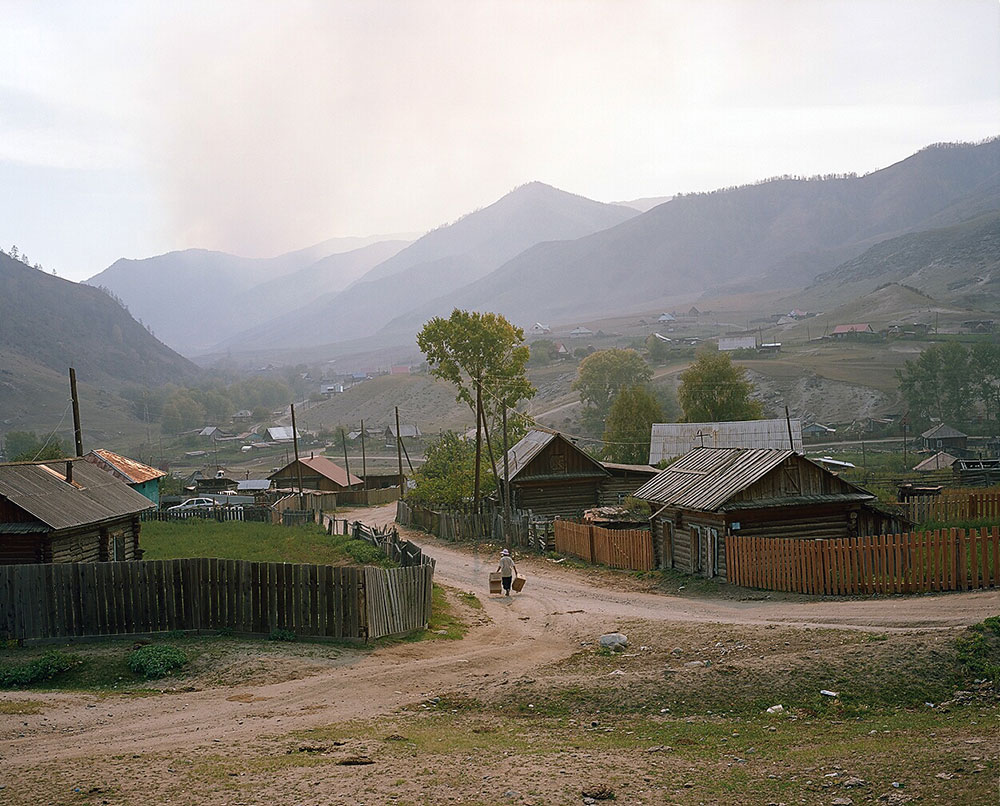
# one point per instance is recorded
(507, 571)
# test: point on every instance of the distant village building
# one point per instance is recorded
(670, 440)
(666, 317)
(141, 478)
(400, 370)
(538, 329)
(580, 332)
(816, 430)
(727, 344)
(939, 461)
(67, 511)
(281, 433)
(243, 416)
(944, 437)
(317, 473)
(407, 430)
(842, 331)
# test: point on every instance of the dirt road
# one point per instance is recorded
(558, 609)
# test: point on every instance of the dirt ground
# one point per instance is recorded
(423, 722)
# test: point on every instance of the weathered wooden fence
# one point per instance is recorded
(220, 513)
(368, 498)
(523, 530)
(914, 562)
(630, 549)
(954, 506)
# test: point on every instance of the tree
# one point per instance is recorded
(939, 384)
(26, 446)
(483, 356)
(629, 423)
(602, 375)
(446, 478)
(713, 389)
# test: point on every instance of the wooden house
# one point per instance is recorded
(141, 478)
(945, 438)
(714, 492)
(552, 477)
(318, 473)
(67, 511)
(623, 481)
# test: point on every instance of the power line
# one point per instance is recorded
(46, 443)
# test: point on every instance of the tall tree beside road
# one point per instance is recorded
(484, 356)
(946, 379)
(602, 375)
(629, 424)
(713, 389)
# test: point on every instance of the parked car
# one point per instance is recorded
(191, 504)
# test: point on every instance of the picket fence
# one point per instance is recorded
(630, 549)
(953, 506)
(245, 512)
(524, 530)
(914, 562)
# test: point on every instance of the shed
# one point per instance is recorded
(939, 461)
(407, 430)
(712, 492)
(669, 440)
(843, 331)
(141, 478)
(318, 473)
(623, 481)
(67, 511)
(282, 433)
(943, 437)
(552, 477)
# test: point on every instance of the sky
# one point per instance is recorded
(133, 128)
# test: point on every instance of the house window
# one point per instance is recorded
(557, 463)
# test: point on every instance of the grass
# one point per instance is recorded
(259, 542)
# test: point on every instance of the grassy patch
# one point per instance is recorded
(21, 707)
(37, 670)
(471, 600)
(259, 542)
(156, 660)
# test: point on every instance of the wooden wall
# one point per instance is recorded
(567, 499)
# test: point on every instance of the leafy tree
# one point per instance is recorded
(985, 359)
(25, 446)
(182, 412)
(713, 389)
(447, 477)
(483, 356)
(542, 352)
(629, 423)
(659, 350)
(939, 384)
(602, 375)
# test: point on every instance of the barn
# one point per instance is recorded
(67, 511)
(552, 477)
(713, 492)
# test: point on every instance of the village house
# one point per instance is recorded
(817, 431)
(945, 438)
(406, 430)
(714, 492)
(317, 473)
(729, 343)
(67, 510)
(844, 331)
(580, 332)
(141, 478)
(623, 480)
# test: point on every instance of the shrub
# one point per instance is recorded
(156, 660)
(282, 635)
(52, 663)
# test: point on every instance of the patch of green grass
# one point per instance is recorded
(21, 707)
(156, 660)
(259, 542)
(37, 670)
(979, 650)
(471, 600)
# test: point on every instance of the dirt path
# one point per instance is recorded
(545, 623)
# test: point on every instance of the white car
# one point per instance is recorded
(192, 503)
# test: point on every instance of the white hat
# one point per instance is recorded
(505, 552)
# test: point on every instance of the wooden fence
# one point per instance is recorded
(232, 513)
(368, 498)
(524, 530)
(914, 562)
(631, 549)
(953, 506)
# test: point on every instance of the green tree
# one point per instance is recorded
(940, 384)
(659, 350)
(629, 423)
(447, 477)
(26, 446)
(483, 356)
(986, 360)
(713, 389)
(602, 375)
(182, 412)
(542, 352)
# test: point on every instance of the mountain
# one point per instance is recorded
(449, 257)
(958, 264)
(780, 233)
(48, 324)
(195, 298)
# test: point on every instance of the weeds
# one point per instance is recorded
(38, 670)
(156, 660)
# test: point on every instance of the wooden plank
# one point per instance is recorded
(984, 559)
(963, 560)
(995, 544)
(973, 538)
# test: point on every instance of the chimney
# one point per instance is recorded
(69, 472)
(312, 454)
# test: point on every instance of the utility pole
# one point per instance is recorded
(479, 439)
(77, 429)
(788, 422)
(506, 479)
(347, 464)
(399, 456)
(298, 464)
(364, 456)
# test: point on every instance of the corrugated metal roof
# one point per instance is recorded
(254, 484)
(40, 489)
(629, 468)
(668, 440)
(708, 477)
(796, 500)
(130, 470)
(942, 431)
(326, 468)
(532, 444)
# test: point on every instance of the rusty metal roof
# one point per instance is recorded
(94, 496)
(326, 468)
(706, 478)
(128, 470)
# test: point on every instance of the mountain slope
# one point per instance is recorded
(778, 233)
(196, 297)
(449, 257)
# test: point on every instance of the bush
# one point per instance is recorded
(52, 663)
(364, 553)
(156, 660)
(281, 635)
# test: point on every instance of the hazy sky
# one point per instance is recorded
(133, 128)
